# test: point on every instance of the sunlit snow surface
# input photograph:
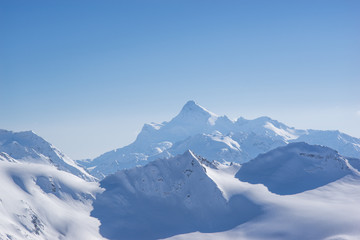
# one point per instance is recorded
(31, 148)
(43, 193)
(38, 201)
(329, 212)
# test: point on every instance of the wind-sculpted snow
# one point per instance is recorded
(29, 147)
(215, 138)
(40, 202)
(295, 168)
(165, 198)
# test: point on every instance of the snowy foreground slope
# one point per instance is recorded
(29, 147)
(43, 193)
(215, 138)
(38, 201)
(188, 197)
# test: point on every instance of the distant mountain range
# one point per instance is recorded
(215, 138)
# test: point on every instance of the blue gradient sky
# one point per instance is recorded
(86, 75)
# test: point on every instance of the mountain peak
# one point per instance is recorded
(190, 103)
(26, 146)
(192, 107)
(189, 154)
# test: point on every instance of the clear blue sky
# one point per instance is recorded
(86, 75)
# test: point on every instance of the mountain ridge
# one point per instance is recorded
(179, 187)
(295, 168)
(214, 137)
(27, 146)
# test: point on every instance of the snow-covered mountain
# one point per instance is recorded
(40, 202)
(189, 197)
(341, 142)
(29, 147)
(43, 193)
(295, 168)
(167, 197)
(214, 137)
(274, 196)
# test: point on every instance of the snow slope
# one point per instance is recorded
(215, 138)
(29, 147)
(295, 168)
(167, 197)
(330, 211)
(37, 201)
(188, 197)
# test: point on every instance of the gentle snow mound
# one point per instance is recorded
(295, 168)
